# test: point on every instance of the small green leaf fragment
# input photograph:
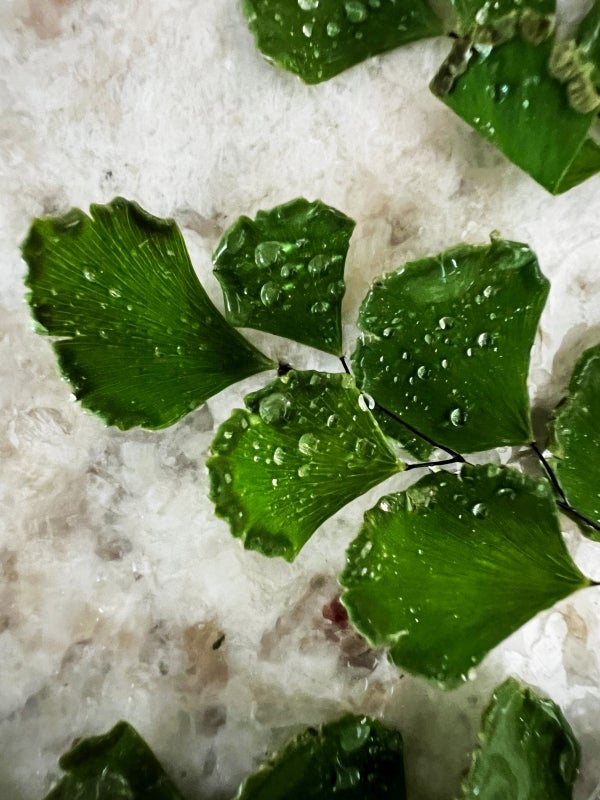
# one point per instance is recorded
(317, 39)
(588, 40)
(138, 338)
(284, 272)
(447, 569)
(516, 96)
(307, 445)
(527, 749)
(446, 343)
(354, 758)
(575, 441)
(118, 765)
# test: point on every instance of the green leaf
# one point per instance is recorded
(306, 447)
(118, 765)
(539, 121)
(588, 41)
(354, 758)
(446, 343)
(316, 39)
(284, 272)
(491, 22)
(527, 749)
(139, 340)
(442, 572)
(576, 439)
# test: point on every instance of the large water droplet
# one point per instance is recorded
(366, 402)
(278, 456)
(479, 510)
(308, 444)
(364, 448)
(458, 417)
(275, 408)
(266, 253)
(355, 736)
(318, 264)
(423, 372)
(355, 10)
(270, 293)
(308, 5)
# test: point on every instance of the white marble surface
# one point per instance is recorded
(115, 578)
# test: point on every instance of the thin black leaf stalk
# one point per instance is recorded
(562, 502)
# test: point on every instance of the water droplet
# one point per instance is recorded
(270, 293)
(275, 408)
(308, 444)
(366, 402)
(304, 470)
(458, 417)
(307, 30)
(114, 293)
(423, 372)
(308, 5)
(332, 420)
(355, 736)
(364, 448)
(89, 274)
(355, 10)
(469, 352)
(320, 307)
(406, 356)
(444, 363)
(318, 264)
(336, 289)
(346, 778)
(445, 323)
(266, 253)
(333, 29)
(484, 340)
(479, 510)
(278, 456)
(488, 291)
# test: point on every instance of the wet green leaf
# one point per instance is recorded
(307, 446)
(510, 94)
(316, 39)
(447, 569)
(118, 765)
(588, 41)
(576, 439)
(527, 749)
(493, 22)
(446, 343)
(354, 758)
(284, 272)
(138, 338)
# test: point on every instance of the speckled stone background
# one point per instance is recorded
(115, 577)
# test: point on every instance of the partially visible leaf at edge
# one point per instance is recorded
(447, 569)
(478, 18)
(509, 96)
(575, 442)
(307, 446)
(117, 765)
(447, 340)
(527, 750)
(353, 758)
(284, 272)
(588, 39)
(137, 336)
(317, 39)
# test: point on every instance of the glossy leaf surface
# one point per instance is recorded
(284, 272)
(478, 18)
(510, 98)
(306, 446)
(138, 338)
(354, 758)
(576, 439)
(527, 750)
(118, 765)
(446, 570)
(316, 39)
(446, 343)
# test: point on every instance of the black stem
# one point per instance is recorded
(429, 464)
(563, 503)
(454, 456)
(550, 473)
(345, 365)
